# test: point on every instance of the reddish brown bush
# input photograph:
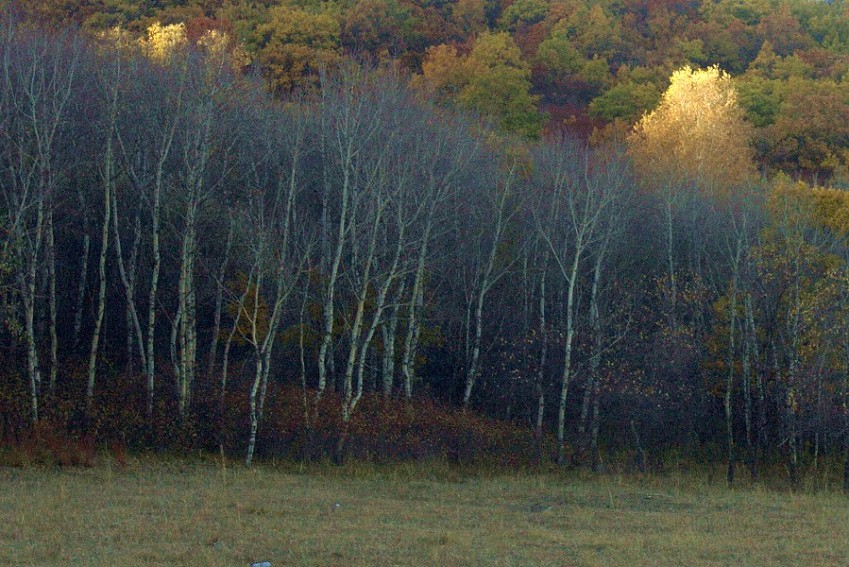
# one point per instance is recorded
(393, 430)
(381, 429)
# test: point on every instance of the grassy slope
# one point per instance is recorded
(156, 513)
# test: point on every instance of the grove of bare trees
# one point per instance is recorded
(176, 241)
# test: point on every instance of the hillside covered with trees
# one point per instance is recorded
(404, 230)
(537, 65)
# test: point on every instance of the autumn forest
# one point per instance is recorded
(583, 232)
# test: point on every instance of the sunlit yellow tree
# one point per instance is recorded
(693, 151)
(694, 145)
(163, 42)
(697, 133)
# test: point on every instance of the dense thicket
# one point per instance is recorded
(181, 252)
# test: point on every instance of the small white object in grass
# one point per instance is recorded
(336, 506)
(261, 564)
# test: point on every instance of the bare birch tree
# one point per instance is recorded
(205, 155)
(148, 141)
(442, 156)
(278, 258)
(110, 86)
(484, 263)
(580, 195)
(39, 76)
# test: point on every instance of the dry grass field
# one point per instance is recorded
(157, 512)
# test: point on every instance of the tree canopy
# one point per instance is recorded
(697, 134)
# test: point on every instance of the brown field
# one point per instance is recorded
(157, 512)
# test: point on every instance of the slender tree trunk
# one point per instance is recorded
(51, 274)
(792, 437)
(185, 331)
(263, 350)
(762, 439)
(566, 377)
(748, 348)
(729, 383)
(388, 357)
(108, 177)
(845, 402)
(225, 359)
(595, 356)
(358, 348)
(261, 370)
(414, 327)
(302, 362)
(791, 398)
(361, 333)
(154, 290)
(254, 414)
(29, 314)
(165, 145)
(263, 347)
(817, 431)
(32, 353)
(541, 371)
(219, 300)
(128, 281)
(348, 382)
(670, 258)
(330, 294)
(389, 330)
(473, 370)
(488, 278)
(112, 86)
(191, 332)
(83, 280)
(596, 421)
(133, 321)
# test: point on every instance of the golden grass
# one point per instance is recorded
(200, 513)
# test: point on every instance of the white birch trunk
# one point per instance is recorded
(219, 299)
(128, 281)
(566, 376)
(108, 179)
(83, 279)
(33, 368)
(488, 278)
(51, 275)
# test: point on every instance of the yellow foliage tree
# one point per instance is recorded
(295, 44)
(444, 71)
(799, 204)
(163, 42)
(697, 134)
